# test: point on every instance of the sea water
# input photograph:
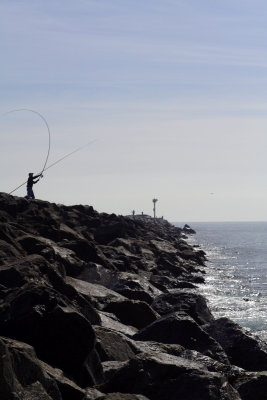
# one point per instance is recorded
(235, 282)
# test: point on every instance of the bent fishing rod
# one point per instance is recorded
(56, 162)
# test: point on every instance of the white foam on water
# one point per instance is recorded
(235, 281)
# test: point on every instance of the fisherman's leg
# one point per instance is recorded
(30, 192)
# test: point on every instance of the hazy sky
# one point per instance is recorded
(172, 91)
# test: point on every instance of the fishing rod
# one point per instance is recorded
(57, 161)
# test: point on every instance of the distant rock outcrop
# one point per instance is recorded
(99, 306)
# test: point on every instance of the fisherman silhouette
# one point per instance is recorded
(30, 182)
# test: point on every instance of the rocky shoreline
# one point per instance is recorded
(99, 306)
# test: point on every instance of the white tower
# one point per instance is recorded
(154, 208)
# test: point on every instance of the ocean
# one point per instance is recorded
(235, 282)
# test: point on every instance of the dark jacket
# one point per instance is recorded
(31, 180)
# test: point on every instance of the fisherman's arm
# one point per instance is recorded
(37, 176)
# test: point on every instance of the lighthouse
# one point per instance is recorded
(154, 208)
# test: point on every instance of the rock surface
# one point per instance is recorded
(99, 306)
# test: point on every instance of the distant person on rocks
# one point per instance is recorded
(31, 181)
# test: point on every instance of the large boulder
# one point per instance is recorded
(35, 268)
(164, 283)
(60, 334)
(252, 386)
(99, 295)
(96, 273)
(242, 348)
(110, 321)
(132, 312)
(162, 376)
(123, 396)
(187, 300)
(111, 345)
(134, 287)
(21, 374)
(68, 389)
(179, 328)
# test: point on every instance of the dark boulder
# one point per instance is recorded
(252, 387)
(162, 376)
(60, 334)
(110, 368)
(68, 389)
(132, 312)
(242, 348)
(96, 273)
(112, 346)
(21, 374)
(35, 268)
(179, 328)
(187, 300)
(110, 321)
(111, 230)
(99, 295)
(164, 283)
(88, 251)
(188, 230)
(12, 205)
(123, 396)
(7, 252)
(85, 332)
(134, 287)
(53, 252)
(92, 394)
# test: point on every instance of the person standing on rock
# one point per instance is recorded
(30, 182)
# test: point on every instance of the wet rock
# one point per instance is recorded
(242, 348)
(252, 387)
(187, 300)
(164, 283)
(188, 230)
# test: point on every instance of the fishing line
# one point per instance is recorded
(69, 154)
(48, 130)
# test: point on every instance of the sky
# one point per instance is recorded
(171, 96)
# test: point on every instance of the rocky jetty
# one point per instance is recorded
(98, 306)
